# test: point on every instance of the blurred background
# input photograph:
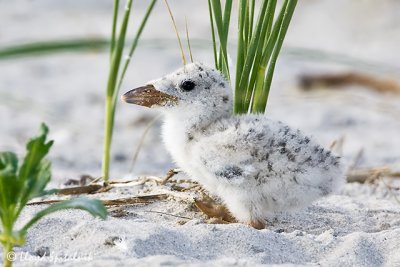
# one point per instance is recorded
(66, 88)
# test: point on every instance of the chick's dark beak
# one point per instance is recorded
(148, 96)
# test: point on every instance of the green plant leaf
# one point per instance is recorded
(17, 186)
(37, 148)
(16, 238)
(93, 206)
(8, 180)
(42, 179)
(8, 162)
(34, 173)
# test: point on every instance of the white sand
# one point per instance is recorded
(358, 227)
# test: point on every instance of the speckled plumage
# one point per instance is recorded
(257, 166)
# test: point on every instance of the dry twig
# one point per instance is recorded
(308, 82)
(370, 175)
(390, 190)
(171, 173)
(77, 190)
(148, 199)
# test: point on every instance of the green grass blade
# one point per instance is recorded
(257, 69)
(252, 9)
(52, 46)
(213, 34)
(262, 97)
(133, 48)
(218, 19)
(258, 42)
(282, 33)
(226, 23)
(266, 56)
(251, 54)
(128, 58)
(227, 19)
(246, 29)
(80, 45)
(222, 34)
(114, 27)
(111, 87)
(241, 53)
(118, 50)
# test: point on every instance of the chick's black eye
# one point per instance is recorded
(188, 85)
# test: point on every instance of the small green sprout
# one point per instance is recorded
(117, 71)
(21, 183)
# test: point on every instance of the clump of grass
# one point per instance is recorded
(21, 183)
(117, 72)
(259, 43)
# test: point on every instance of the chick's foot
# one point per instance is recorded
(217, 212)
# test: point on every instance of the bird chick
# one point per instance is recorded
(257, 166)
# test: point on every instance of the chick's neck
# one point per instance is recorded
(194, 119)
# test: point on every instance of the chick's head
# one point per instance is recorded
(193, 86)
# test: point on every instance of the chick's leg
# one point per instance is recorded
(218, 213)
(257, 224)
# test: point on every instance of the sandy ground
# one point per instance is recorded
(358, 227)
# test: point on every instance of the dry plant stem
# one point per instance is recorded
(357, 159)
(188, 41)
(141, 142)
(308, 82)
(135, 200)
(176, 32)
(390, 189)
(169, 214)
(96, 180)
(141, 181)
(370, 175)
(98, 188)
(117, 202)
(337, 146)
(193, 187)
(86, 189)
(171, 173)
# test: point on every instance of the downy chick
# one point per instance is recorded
(256, 165)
